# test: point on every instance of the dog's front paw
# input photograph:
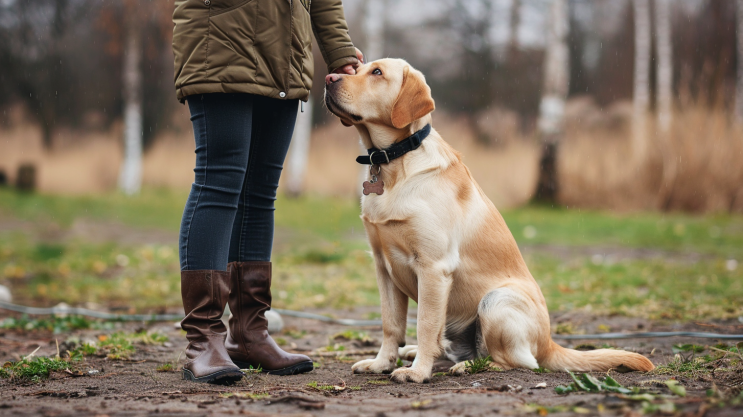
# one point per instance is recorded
(458, 369)
(373, 366)
(410, 374)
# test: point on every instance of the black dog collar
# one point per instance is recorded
(384, 156)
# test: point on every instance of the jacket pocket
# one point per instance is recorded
(223, 6)
(231, 56)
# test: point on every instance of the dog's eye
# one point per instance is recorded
(377, 71)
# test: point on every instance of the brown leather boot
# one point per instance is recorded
(204, 297)
(248, 342)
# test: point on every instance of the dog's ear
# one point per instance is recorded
(414, 100)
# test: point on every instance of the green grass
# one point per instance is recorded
(321, 260)
(33, 369)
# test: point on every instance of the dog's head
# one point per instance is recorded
(387, 92)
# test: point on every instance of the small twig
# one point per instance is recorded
(726, 352)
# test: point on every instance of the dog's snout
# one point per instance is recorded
(331, 78)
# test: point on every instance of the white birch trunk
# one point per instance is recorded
(130, 177)
(552, 106)
(664, 69)
(374, 17)
(739, 36)
(556, 75)
(641, 96)
(299, 151)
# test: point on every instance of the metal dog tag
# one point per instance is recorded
(373, 187)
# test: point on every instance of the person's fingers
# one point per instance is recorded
(346, 69)
(360, 56)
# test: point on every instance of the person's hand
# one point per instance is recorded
(351, 68)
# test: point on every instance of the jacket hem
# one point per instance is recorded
(297, 93)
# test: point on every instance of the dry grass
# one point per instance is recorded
(698, 168)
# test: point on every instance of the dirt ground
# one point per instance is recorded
(134, 387)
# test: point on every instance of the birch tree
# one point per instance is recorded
(739, 84)
(664, 93)
(130, 176)
(554, 94)
(514, 21)
(664, 69)
(299, 151)
(641, 93)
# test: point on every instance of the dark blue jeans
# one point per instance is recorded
(241, 144)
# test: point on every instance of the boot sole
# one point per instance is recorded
(298, 368)
(225, 377)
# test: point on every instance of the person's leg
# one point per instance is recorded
(252, 231)
(222, 130)
(248, 342)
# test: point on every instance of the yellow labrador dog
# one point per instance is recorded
(436, 238)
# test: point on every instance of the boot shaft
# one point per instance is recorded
(204, 294)
(250, 296)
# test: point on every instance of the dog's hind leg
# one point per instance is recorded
(508, 330)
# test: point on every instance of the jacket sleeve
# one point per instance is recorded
(331, 32)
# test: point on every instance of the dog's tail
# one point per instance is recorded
(561, 359)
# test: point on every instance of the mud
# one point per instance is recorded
(134, 387)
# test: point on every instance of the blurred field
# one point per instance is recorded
(60, 248)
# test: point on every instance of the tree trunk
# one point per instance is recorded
(299, 151)
(130, 179)
(664, 85)
(641, 96)
(374, 17)
(739, 89)
(664, 70)
(552, 106)
(513, 31)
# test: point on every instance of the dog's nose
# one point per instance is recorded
(331, 78)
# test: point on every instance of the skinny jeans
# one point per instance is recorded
(241, 144)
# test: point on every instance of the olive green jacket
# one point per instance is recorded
(259, 47)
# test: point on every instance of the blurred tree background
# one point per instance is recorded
(63, 64)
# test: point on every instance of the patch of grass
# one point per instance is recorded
(652, 288)
(716, 235)
(378, 381)
(688, 348)
(149, 338)
(116, 346)
(81, 351)
(690, 367)
(335, 348)
(165, 367)
(323, 387)
(33, 369)
(322, 260)
(478, 365)
(251, 371)
(357, 335)
(294, 333)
